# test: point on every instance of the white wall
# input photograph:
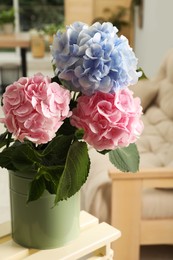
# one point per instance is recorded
(156, 36)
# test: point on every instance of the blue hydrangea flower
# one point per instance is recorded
(93, 58)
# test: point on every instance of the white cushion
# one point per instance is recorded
(157, 203)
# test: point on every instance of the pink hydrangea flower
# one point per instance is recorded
(35, 108)
(109, 120)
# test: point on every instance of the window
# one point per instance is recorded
(37, 13)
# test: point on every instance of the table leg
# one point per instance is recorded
(23, 61)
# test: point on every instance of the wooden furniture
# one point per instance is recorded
(94, 242)
(127, 192)
(21, 40)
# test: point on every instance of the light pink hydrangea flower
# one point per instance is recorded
(35, 108)
(109, 120)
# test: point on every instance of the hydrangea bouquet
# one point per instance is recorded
(51, 122)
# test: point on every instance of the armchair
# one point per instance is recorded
(130, 196)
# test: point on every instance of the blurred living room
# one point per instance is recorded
(139, 205)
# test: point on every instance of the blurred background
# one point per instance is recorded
(146, 24)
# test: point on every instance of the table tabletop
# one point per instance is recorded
(21, 40)
(94, 242)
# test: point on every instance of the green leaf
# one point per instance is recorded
(5, 139)
(56, 79)
(79, 133)
(6, 159)
(51, 182)
(143, 74)
(54, 169)
(36, 189)
(125, 159)
(25, 157)
(52, 176)
(67, 128)
(75, 172)
(104, 151)
(56, 151)
(46, 178)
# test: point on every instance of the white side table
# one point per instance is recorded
(94, 242)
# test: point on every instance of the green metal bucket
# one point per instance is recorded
(40, 224)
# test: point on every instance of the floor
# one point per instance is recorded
(44, 65)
